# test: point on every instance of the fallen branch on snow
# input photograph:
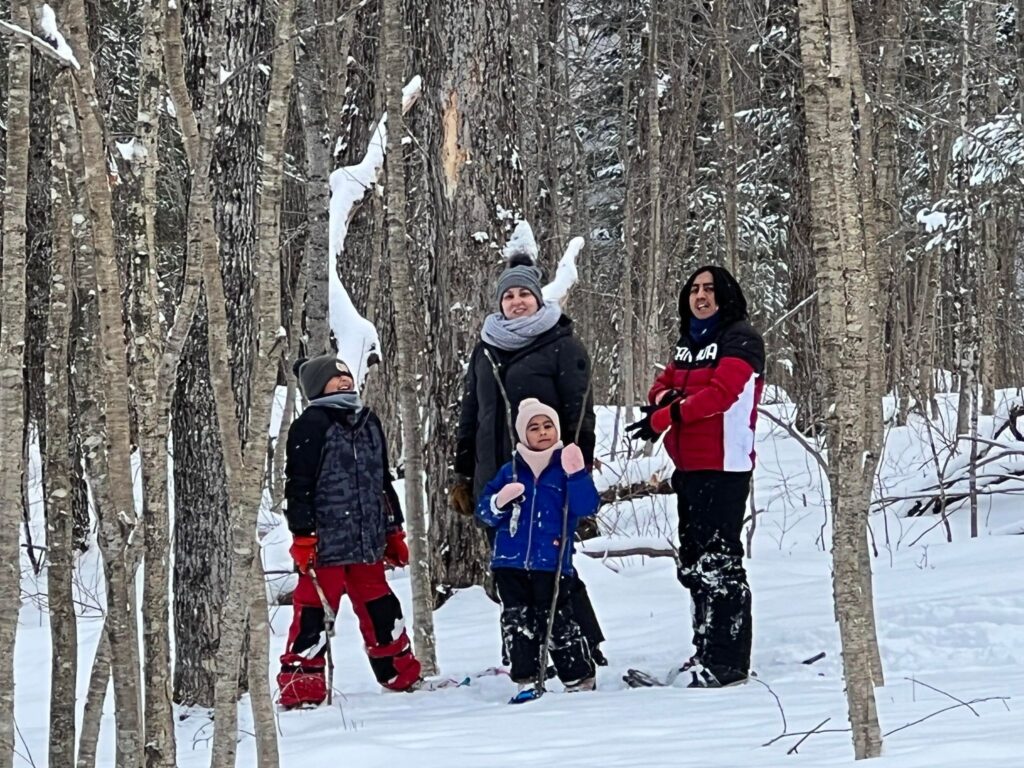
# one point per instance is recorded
(627, 551)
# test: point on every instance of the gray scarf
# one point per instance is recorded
(510, 334)
(348, 401)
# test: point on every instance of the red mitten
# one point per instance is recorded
(572, 459)
(508, 494)
(396, 551)
(303, 552)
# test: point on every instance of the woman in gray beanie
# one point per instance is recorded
(530, 345)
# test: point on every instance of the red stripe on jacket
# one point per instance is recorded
(713, 427)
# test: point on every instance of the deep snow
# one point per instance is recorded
(950, 616)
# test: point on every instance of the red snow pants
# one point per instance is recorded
(302, 679)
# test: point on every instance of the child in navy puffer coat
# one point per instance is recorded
(525, 503)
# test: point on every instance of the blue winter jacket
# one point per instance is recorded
(535, 545)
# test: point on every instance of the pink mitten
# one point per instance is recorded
(572, 459)
(508, 494)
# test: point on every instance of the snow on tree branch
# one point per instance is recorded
(357, 337)
(52, 44)
(994, 150)
(48, 25)
(522, 242)
(566, 275)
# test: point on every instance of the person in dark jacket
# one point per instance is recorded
(527, 347)
(524, 503)
(346, 524)
(705, 402)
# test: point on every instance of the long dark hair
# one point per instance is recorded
(732, 304)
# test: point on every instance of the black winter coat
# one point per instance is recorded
(554, 368)
(338, 484)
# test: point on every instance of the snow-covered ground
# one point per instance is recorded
(950, 618)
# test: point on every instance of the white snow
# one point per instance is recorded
(52, 38)
(48, 25)
(566, 275)
(357, 337)
(521, 242)
(126, 149)
(932, 220)
(950, 619)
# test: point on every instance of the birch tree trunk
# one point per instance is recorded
(201, 564)
(57, 478)
(844, 285)
(259, 683)
(148, 338)
(629, 391)
(271, 340)
(728, 112)
(95, 694)
(118, 520)
(12, 350)
(318, 142)
(968, 341)
(654, 276)
(408, 333)
(245, 461)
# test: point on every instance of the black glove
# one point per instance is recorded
(667, 398)
(642, 430)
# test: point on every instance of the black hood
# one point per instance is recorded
(732, 304)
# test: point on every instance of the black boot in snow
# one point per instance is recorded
(723, 678)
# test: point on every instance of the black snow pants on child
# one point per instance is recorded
(525, 603)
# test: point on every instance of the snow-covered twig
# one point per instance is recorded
(967, 704)
(914, 681)
(778, 701)
(792, 750)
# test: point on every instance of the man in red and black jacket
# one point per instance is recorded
(705, 403)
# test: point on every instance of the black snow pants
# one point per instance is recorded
(582, 608)
(711, 509)
(525, 603)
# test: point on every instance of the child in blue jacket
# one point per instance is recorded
(524, 503)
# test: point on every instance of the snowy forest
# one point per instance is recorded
(199, 193)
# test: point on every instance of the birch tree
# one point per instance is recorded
(244, 441)
(151, 369)
(118, 520)
(12, 349)
(844, 286)
(57, 478)
(408, 335)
